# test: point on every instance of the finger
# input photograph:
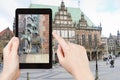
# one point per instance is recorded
(17, 75)
(15, 45)
(60, 40)
(60, 53)
(8, 46)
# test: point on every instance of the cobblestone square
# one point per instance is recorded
(58, 73)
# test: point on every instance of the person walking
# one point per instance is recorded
(112, 61)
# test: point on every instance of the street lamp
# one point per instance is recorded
(96, 71)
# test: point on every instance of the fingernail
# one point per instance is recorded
(53, 32)
(15, 39)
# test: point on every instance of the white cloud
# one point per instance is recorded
(8, 12)
(8, 7)
(98, 11)
(110, 23)
(70, 3)
(3, 21)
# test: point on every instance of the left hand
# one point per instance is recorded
(10, 60)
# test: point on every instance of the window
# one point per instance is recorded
(61, 17)
(83, 40)
(69, 22)
(57, 22)
(65, 17)
(58, 32)
(62, 22)
(65, 12)
(72, 33)
(82, 24)
(95, 40)
(64, 33)
(57, 17)
(61, 12)
(65, 22)
(90, 39)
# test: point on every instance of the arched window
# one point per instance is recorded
(90, 39)
(83, 40)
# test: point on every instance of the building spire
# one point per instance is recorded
(62, 5)
(82, 16)
(110, 35)
(100, 24)
(78, 3)
(118, 33)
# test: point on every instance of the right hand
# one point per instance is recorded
(74, 59)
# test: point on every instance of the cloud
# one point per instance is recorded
(104, 11)
(8, 7)
(110, 23)
(68, 3)
(8, 12)
(3, 21)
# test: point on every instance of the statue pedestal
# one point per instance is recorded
(34, 58)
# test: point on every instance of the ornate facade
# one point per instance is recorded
(80, 33)
(74, 26)
(63, 24)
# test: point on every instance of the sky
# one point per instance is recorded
(106, 12)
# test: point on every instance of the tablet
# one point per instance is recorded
(34, 29)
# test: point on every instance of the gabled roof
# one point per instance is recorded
(113, 37)
(75, 12)
(7, 29)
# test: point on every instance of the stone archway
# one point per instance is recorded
(100, 55)
(93, 55)
(88, 55)
(118, 53)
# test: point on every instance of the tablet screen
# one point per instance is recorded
(33, 27)
(34, 38)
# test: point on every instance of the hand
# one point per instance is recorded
(74, 59)
(10, 60)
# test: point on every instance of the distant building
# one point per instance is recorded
(114, 44)
(74, 26)
(104, 42)
(5, 36)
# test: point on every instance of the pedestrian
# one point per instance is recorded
(112, 61)
(107, 61)
(112, 64)
(110, 57)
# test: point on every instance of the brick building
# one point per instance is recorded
(5, 36)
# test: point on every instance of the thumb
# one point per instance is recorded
(15, 45)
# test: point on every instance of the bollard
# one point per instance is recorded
(28, 76)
